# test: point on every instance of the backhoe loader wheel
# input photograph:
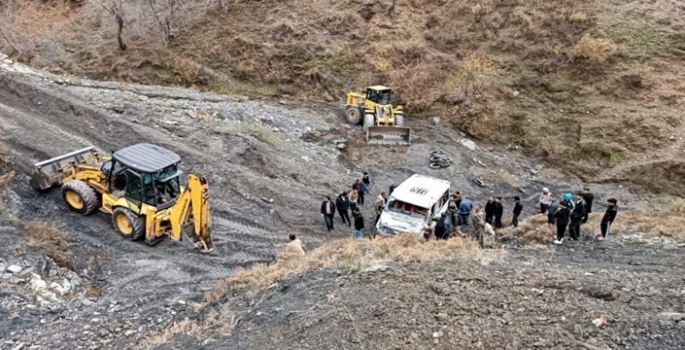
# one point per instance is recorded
(399, 120)
(353, 115)
(80, 197)
(128, 224)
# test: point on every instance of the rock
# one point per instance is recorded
(437, 334)
(341, 146)
(36, 283)
(671, 316)
(103, 332)
(600, 322)
(376, 267)
(14, 268)
(58, 289)
(283, 102)
(436, 121)
(468, 144)
(130, 332)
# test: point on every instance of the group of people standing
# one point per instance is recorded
(352, 200)
(567, 212)
(573, 211)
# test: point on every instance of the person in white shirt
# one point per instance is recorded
(545, 200)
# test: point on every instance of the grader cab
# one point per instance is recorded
(139, 186)
(383, 123)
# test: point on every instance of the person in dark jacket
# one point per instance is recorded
(561, 217)
(588, 197)
(328, 212)
(440, 229)
(391, 188)
(552, 209)
(577, 216)
(358, 224)
(499, 211)
(366, 183)
(456, 199)
(608, 218)
(490, 210)
(518, 208)
(359, 186)
(343, 205)
(453, 218)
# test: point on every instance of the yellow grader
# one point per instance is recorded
(383, 122)
(139, 186)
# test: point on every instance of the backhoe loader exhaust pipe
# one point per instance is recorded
(388, 135)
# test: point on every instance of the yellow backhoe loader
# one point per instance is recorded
(383, 122)
(139, 186)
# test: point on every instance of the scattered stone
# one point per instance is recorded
(468, 144)
(672, 316)
(600, 322)
(376, 267)
(14, 268)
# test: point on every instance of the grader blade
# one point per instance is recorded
(49, 172)
(388, 135)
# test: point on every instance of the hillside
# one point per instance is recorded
(593, 88)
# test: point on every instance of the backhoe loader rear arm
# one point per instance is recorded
(193, 203)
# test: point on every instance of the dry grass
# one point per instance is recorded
(473, 76)
(4, 180)
(595, 50)
(355, 255)
(578, 16)
(678, 207)
(50, 240)
(536, 231)
(215, 323)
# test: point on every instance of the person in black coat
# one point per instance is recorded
(518, 208)
(577, 216)
(490, 211)
(608, 218)
(328, 212)
(588, 197)
(358, 224)
(343, 205)
(499, 211)
(561, 217)
(359, 186)
(440, 228)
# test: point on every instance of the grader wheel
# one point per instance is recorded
(80, 197)
(127, 224)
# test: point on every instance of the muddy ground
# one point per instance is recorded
(256, 151)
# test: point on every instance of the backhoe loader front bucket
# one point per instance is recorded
(50, 172)
(388, 135)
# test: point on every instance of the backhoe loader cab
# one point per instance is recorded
(139, 186)
(383, 122)
(146, 174)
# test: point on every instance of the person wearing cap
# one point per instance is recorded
(545, 200)
(608, 218)
(518, 207)
(577, 215)
(568, 197)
